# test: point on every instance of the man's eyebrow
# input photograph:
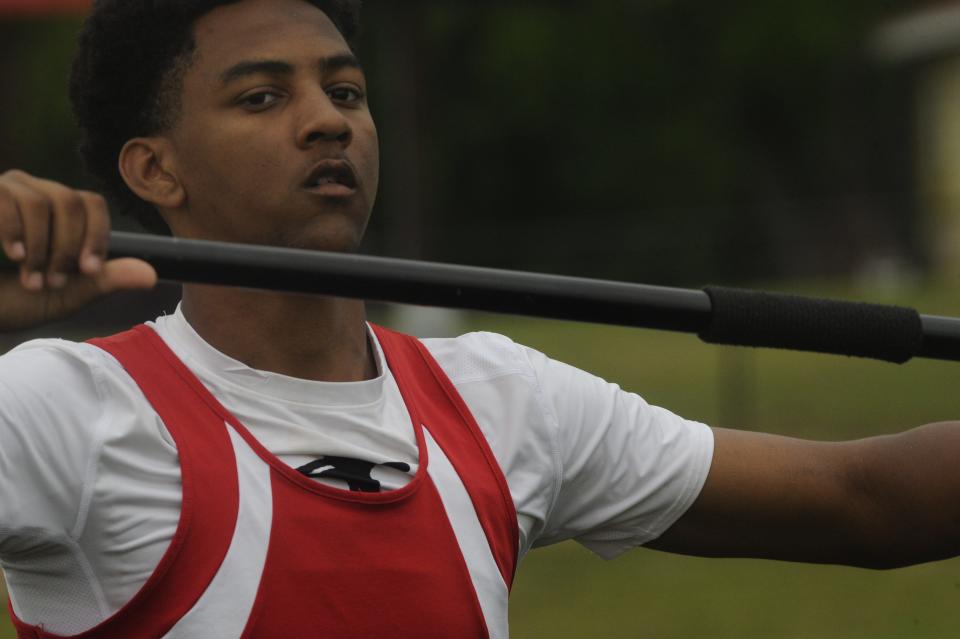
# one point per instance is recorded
(340, 61)
(255, 67)
(248, 68)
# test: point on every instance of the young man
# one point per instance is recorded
(263, 464)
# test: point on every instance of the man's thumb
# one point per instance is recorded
(126, 274)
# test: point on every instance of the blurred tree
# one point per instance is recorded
(37, 131)
(660, 140)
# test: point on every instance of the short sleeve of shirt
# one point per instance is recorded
(628, 470)
(584, 459)
(49, 415)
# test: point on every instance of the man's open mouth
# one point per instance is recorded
(332, 177)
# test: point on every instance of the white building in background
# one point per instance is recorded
(928, 40)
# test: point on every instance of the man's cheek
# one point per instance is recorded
(371, 168)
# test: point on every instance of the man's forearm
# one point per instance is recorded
(882, 502)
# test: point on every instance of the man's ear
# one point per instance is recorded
(146, 165)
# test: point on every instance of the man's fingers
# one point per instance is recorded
(11, 228)
(94, 251)
(116, 275)
(126, 274)
(35, 211)
(69, 226)
(58, 236)
(51, 230)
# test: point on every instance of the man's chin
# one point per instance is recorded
(323, 237)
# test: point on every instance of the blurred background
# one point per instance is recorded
(808, 147)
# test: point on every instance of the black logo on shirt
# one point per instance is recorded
(356, 472)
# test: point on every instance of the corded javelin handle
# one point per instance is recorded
(717, 315)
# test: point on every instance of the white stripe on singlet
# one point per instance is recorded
(487, 580)
(224, 608)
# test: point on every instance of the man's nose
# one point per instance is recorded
(322, 121)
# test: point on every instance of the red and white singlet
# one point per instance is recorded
(261, 551)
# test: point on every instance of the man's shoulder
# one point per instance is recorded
(46, 363)
(478, 355)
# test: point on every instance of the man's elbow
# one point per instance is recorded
(898, 511)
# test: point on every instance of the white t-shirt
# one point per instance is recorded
(90, 485)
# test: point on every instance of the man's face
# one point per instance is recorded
(275, 143)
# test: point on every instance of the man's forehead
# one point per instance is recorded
(258, 29)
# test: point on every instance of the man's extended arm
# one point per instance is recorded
(882, 502)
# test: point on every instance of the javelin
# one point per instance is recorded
(718, 315)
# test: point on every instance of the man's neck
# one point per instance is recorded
(309, 337)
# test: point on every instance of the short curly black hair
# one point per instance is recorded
(127, 78)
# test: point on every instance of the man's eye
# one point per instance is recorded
(260, 100)
(348, 95)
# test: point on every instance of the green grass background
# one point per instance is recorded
(565, 591)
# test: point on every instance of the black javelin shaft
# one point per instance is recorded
(483, 289)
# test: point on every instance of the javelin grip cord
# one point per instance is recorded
(752, 318)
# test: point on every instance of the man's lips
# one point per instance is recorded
(332, 178)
